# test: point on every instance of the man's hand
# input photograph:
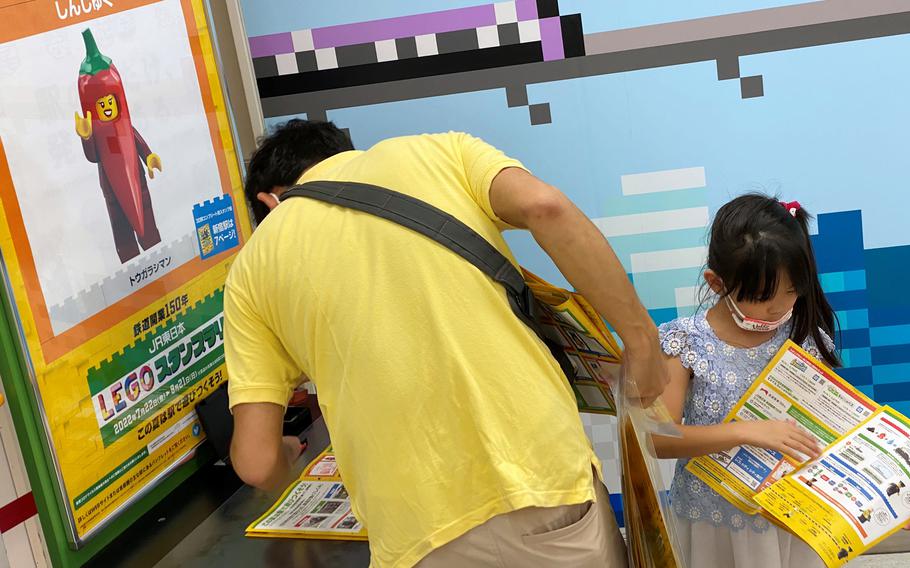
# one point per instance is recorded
(645, 369)
(293, 448)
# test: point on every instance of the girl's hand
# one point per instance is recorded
(783, 436)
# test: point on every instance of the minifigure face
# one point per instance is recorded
(106, 108)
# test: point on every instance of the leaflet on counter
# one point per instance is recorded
(794, 386)
(316, 506)
(856, 494)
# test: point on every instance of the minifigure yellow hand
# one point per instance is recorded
(84, 126)
(153, 162)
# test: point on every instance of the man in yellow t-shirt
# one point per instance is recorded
(454, 429)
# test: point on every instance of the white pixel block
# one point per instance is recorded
(505, 12)
(426, 45)
(666, 180)
(686, 296)
(287, 63)
(302, 40)
(658, 221)
(386, 50)
(326, 59)
(528, 31)
(487, 36)
(672, 259)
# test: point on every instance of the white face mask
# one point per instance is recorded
(752, 324)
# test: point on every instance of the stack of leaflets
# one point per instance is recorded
(651, 540)
(315, 506)
(569, 321)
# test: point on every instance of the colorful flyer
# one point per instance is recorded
(856, 494)
(569, 322)
(315, 506)
(794, 386)
(121, 209)
(652, 541)
(323, 467)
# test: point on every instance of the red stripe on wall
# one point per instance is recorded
(17, 512)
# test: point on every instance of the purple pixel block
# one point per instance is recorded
(262, 46)
(526, 9)
(551, 39)
(405, 26)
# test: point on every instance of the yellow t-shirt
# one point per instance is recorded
(444, 409)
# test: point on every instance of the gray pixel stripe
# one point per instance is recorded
(759, 26)
(865, 20)
(359, 54)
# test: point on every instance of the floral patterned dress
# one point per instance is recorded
(713, 531)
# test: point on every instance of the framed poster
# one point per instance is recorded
(121, 209)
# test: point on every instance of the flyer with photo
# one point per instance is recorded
(856, 494)
(324, 466)
(794, 386)
(316, 506)
(311, 509)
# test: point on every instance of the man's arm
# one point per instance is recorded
(262, 377)
(260, 455)
(586, 259)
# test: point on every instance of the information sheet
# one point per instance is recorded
(315, 506)
(794, 386)
(856, 494)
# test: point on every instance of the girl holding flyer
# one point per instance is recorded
(762, 270)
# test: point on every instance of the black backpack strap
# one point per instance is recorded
(443, 228)
(431, 222)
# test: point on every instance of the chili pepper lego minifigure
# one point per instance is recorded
(110, 140)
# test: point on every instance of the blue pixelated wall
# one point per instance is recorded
(866, 288)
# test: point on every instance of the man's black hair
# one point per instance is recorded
(286, 153)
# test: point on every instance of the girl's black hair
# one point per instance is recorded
(754, 237)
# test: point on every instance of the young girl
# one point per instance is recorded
(762, 269)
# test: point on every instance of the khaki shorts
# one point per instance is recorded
(580, 536)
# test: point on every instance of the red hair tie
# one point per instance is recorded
(791, 206)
